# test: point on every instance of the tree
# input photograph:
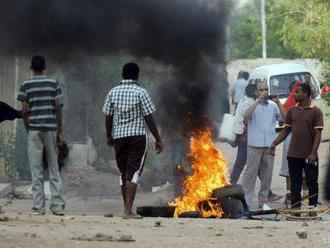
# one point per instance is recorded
(306, 27)
(245, 34)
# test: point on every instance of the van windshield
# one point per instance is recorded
(279, 84)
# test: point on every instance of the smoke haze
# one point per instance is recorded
(187, 38)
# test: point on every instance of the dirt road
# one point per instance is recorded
(85, 226)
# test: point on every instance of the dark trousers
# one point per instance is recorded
(296, 167)
(239, 162)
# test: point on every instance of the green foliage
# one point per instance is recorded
(306, 27)
(245, 33)
(13, 149)
(246, 40)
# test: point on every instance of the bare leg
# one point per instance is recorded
(130, 190)
(123, 194)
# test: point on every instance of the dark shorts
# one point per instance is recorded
(130, 157)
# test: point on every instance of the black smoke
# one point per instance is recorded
(188, 36)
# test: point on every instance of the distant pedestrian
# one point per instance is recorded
(325, 89)
(240, 128)
(238, 89)
(128, 109)
(42, 116)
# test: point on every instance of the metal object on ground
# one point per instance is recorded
(150, 211)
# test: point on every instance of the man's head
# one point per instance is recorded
(131, 71)
(245, 75)
(262, 88)
(38, 63)
(251, 91)
(307, 78)
(240, 74)
(303, 92)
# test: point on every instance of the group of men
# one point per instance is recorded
(258, 113)
(128, 110)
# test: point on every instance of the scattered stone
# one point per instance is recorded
(158, 224)
(31, 235)
(102, 237)
(218, 234)
(210, 228)
(4, 218)
(302, 234)
(253, 227)
(125, 238)
(305, 224)
(69, 218)
(270, 235)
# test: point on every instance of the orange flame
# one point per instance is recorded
(209, 172)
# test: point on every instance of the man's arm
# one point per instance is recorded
(283, 111)
(282, 136)
(25, 115)
(247, 114)
(317, 139)
(154, 130)
(108, 128)
(58, 111)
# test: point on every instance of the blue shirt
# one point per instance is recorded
(262, 123)
(238, 90)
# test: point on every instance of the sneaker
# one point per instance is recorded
(272, 197)
(36, 212)
(312, 214)
(265, 207)
(58, 213)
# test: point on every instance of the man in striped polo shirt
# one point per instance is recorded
(41, 110)
(128, 108)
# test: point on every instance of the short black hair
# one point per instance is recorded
(306, 88)
(250, 90)
(246, 75)
(131, 71)
(38, 63)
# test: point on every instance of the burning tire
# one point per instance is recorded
(192, 214)
(232, 208)
(230, 191)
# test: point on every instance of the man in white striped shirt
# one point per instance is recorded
(42, 116)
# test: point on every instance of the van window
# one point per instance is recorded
(279, 84)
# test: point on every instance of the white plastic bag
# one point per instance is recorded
(226, 133)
